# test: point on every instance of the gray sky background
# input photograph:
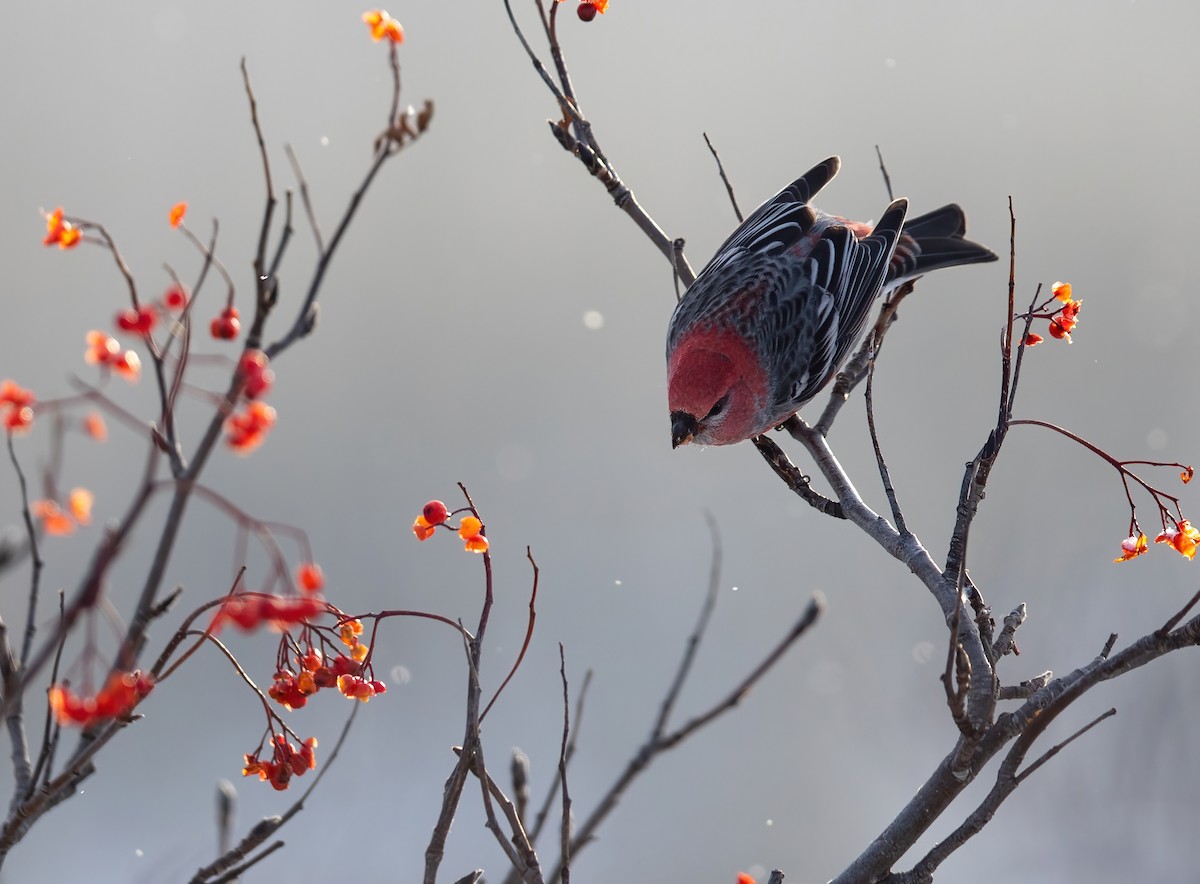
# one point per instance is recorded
(452, 346)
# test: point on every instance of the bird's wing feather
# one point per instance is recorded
(779, 222)
(819, 312)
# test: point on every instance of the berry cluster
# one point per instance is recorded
(470, 528)
(286, 762)
(116, 699)
(16, 407)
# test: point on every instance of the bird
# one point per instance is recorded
(772, 317)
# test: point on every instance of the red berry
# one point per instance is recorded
(256, 376)
(435, 512)
(325, 677)
(175, 298)
(140, 319)
(586, 11)
(226, 326)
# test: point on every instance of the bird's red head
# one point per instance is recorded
(716, 389)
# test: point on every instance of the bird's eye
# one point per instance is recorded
(718, 408)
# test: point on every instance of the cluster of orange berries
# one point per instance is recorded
(61, 232)
(244, 431)
(354, 683)
(1180, 536)
(106, 351)
(292, 689)
(16, 406)
(383, 26)
(117, 698)
(287, 761)
(1064, 321)
(57, 521)
(435, 513)
(247, 429)
(314, 669)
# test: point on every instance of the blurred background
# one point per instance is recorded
(491, 319)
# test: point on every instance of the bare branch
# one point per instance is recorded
(1006, 642)
(655, 745)
(1025, 689)
(544, 810)
(1179, 615)
(583, 145)
(693, 641)
(799, 483)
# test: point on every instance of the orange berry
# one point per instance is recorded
(469, 527)
(310, 577)
(422, 528)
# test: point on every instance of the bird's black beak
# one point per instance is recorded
(683, 427)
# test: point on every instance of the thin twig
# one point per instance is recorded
(857, 366)
(697, 636)
(956, 694)
(1058, 747)
(544, 810)
(815, 606)
(887, 180)
(565, 841)
(528, 636)
(1179, 615)
(305, 198)
(260, 255)
(884, 474)
(45, 762)
(725, 178)
(36, 561)
(235, 874)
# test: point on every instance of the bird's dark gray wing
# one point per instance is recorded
(814, 317)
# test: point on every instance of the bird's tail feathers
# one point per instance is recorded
(935, 240)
